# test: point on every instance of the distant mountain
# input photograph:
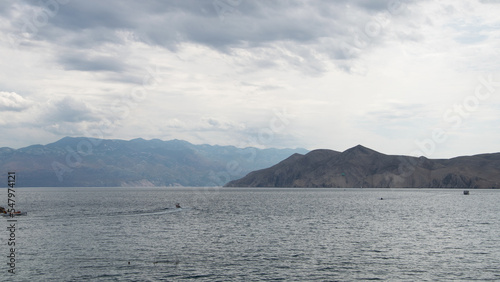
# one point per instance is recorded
(363, 167)
(85, 162)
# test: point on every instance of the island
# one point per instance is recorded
(361, 167)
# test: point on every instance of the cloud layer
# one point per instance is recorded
(384, 74)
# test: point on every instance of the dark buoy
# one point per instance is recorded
(381, 198)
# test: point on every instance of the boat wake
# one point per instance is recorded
(164, 211)
(132, 213)
(15, 214)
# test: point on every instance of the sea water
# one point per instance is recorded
(223, 234)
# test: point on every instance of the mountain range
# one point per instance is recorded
(90, 162)
(363, 167)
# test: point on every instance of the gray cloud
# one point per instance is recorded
(372, 5)
(69, 110)
(490, 1)
(310, 30)
(85, 62)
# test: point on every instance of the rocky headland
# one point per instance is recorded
(361, 167)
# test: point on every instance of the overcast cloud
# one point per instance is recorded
(401, 77)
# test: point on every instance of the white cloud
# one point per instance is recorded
(11, 101)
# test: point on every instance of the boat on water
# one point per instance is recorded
(14, 214)
(466, 192)
(5, 213)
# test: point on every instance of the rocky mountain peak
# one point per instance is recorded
(360, 149)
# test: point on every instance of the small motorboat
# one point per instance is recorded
(466, 192)
(14, 214)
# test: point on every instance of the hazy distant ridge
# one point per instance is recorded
(74, 162)
(363, 167)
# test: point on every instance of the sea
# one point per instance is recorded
(252, 234)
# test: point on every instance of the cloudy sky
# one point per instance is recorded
(400, 77)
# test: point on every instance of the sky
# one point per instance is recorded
(401, 77)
